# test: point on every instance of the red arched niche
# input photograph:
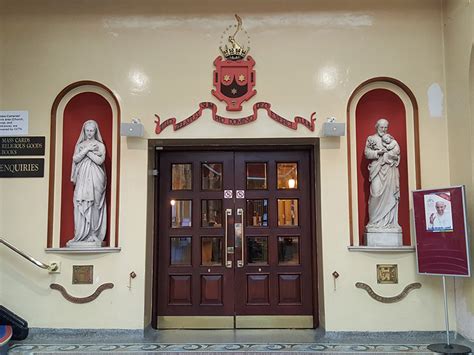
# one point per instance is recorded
(376, 104)
(80, 108)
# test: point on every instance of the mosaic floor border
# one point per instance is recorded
(220, 348)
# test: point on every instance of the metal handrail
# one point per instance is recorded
(52, 267)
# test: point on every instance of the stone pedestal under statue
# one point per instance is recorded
(383, 239)
(73, 244)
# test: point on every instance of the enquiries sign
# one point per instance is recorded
(11, 168)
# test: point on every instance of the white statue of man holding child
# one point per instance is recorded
(383, 150)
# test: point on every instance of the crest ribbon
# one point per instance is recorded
(309, 124)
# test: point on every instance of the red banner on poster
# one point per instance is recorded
(441, 232)
(309, 124)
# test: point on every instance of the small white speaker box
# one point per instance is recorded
(333, 129)
(132, 129)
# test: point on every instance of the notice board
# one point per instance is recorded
(441, 231)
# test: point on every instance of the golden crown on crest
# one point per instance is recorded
(235, 51)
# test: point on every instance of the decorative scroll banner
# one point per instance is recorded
(81, 300)
(397, 298)
(309, 124)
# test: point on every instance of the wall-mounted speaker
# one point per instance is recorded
(333, 129)
(132, 129)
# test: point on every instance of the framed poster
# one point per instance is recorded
(441, 231)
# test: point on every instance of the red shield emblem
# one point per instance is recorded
(234, 81)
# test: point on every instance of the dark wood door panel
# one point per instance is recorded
(276, 276)
(180, 290)
(212, 289)
(284, 270)
(207, 288)
(289, 289)
(258, 289)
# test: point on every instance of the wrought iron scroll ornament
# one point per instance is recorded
(80, 300)
(393, 299)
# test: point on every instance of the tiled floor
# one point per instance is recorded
(42, 341)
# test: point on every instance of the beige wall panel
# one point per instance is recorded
(157, 58)
(29, 287)
(2, 38)
(458, 40)
(2, 201)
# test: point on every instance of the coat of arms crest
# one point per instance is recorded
(234, 77)
(234, 82)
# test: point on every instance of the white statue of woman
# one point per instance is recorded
(90, 180)
(384, 152)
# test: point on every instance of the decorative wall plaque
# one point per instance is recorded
(387, 273)
(394, 299)
(81, 300)
(234, 80)
(82, 274)
(234, 77)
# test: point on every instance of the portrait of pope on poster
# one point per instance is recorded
(438, 214)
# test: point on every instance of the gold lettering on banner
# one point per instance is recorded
(394, 299)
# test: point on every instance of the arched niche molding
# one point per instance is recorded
(393, 90)
(75, 104)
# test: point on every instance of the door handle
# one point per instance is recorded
(239, 236)
(228, 212)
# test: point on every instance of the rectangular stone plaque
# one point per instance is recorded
(82, 274)
(14, 168)
(387, 273)
(14, 146)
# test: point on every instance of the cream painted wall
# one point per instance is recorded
(1, 107)
(458, 39)
(157, 58)
(2, 35)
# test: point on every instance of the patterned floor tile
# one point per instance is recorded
(219, 348)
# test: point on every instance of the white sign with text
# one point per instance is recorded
(13, 123)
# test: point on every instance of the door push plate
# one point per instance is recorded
(230, 250)
(228, 194)
(229, 264)
(238, 235)
(240, 263)
(240, 194)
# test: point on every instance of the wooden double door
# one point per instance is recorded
(234, 240)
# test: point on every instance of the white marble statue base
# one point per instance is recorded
(383, 239)
(72, 244)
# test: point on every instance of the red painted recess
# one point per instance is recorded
(80, 108)
(376, 104)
